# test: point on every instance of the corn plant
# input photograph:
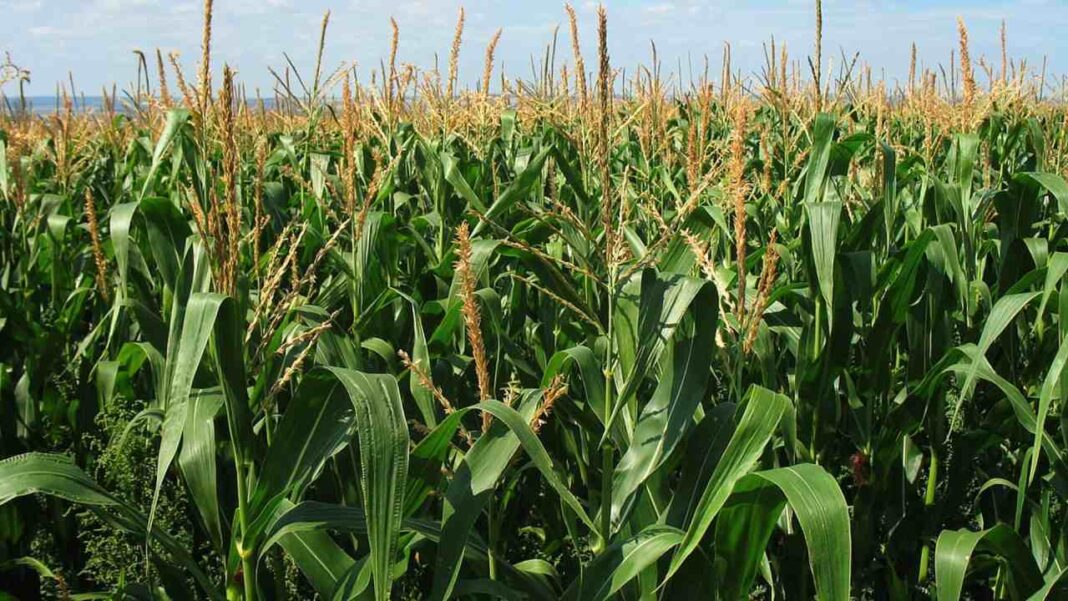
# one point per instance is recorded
(773, 338)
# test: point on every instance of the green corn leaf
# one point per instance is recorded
(520, 187)
(329, 402)
(119, 222)
(197, 459)
(821, 509)
(1053, 183)
(474, 482)
(622, 562)
(382, 434)
(197, 328)
(704, 448)
(58, 476)
(167, 234)
(667, 416)
(469, 492)
(1057, 268)
(823, 218)
(954, 551)
(322, 561)
(1056, 584)
(761, 416)
(316, 425)
(456, 178)
(589, 370)
(228, 354)
(746, 522)
(52, 474)
(176, 119)
(742, 531)
(819, 157)
(1002, 314)
(426, 460)
(311, 516)
(1045, 399)
(424, 397)
(645, 329)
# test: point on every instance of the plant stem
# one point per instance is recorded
(928, 502)
(493, 535)
(248, 567)
(607, 468)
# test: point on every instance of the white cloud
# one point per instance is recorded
(185, 7)
(22, 5)
(123, 5)
(660, 9)
(253, 34)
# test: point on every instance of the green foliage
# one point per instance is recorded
(456, 348)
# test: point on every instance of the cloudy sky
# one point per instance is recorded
(94, 39)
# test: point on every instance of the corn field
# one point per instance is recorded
(792, 335)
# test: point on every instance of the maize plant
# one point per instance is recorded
(618, 339)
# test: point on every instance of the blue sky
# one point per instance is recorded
(95, 38)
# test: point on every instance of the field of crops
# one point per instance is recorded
(793, 335)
